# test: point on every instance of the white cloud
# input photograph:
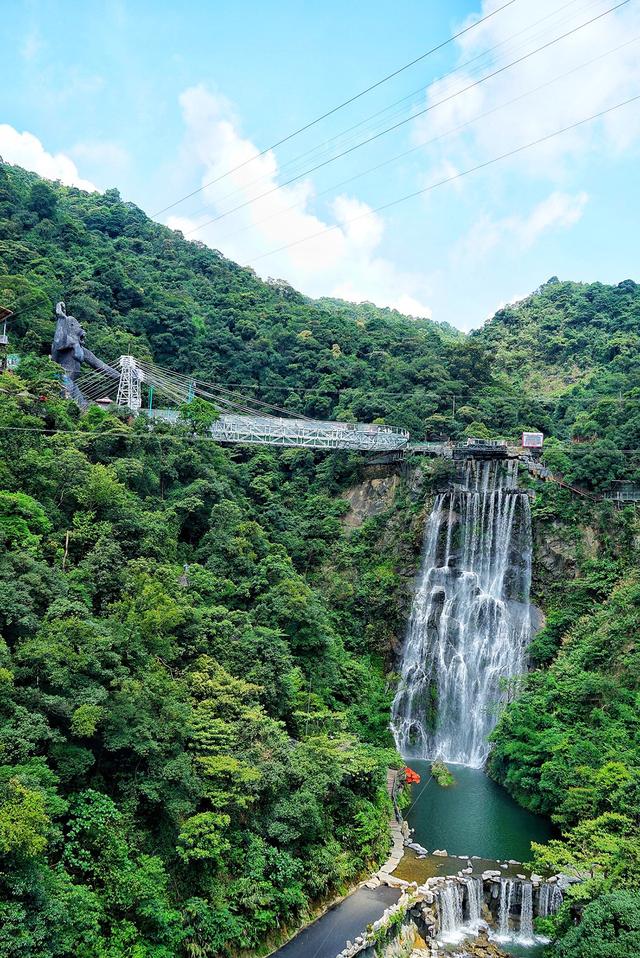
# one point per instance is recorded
(557, 211)
(26, 150)
(107, 162)
(343, 262)
(580, 92)
(31, 46)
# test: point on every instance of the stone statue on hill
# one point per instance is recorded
(69, 351)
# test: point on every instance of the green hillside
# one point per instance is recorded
(140, 287)
(196, 658)
(575, 349)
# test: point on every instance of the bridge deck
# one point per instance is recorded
(306, 433)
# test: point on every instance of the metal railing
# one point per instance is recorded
(307, 433)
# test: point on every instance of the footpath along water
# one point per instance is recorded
(345, 921)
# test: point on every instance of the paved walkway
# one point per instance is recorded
(327, 936)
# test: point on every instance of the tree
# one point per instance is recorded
(43, 200)
(609, 928)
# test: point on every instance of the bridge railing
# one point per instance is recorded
(309, 433)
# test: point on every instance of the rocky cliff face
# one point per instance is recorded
(385, 520)
(559, 549)
(370, 498)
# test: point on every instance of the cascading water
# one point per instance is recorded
(550, 900)
(450, 912)
(470, 620)
(504, 909)
(526, 914)
(474, 901)
(516, 895)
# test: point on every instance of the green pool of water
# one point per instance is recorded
(473, 817)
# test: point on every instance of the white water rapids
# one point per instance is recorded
(470, 621)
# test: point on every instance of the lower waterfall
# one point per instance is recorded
(550, 900)
(450, 912)
(504, 908)
(470, 620)
(474, 900)
(526, 914)
(504, 912)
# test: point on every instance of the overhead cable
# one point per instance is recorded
(326, 146)
(434, 139)
(451, 179)
(341, 106)
(413, 116)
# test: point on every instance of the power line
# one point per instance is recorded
(342, 105)
(128, 433)
(25, 309)
(435, 139)
(413, 116)
(450, 179)
(321, 148)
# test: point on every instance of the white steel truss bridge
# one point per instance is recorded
(240, 420)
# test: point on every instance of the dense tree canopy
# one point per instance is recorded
(193, 738)
(194, 656)
(564, 360)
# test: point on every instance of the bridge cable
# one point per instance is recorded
(202, 386)
(178, 388)
(179, 392)
(342, 105)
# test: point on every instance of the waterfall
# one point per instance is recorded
(506, 896)
(474, 900)
(550, 900)
(470, 623)
(450, 912)
(526, 914)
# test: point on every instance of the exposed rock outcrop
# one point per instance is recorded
(370, 498)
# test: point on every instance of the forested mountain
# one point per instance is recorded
(194, 710)
(195, 657)
(575, 349)
(140, 287)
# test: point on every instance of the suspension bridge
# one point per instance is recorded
(146, 388)
(243, 420)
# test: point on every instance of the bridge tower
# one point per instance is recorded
(130, 385)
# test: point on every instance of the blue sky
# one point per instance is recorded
(160, 98)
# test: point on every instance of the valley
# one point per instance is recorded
(211, 654)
